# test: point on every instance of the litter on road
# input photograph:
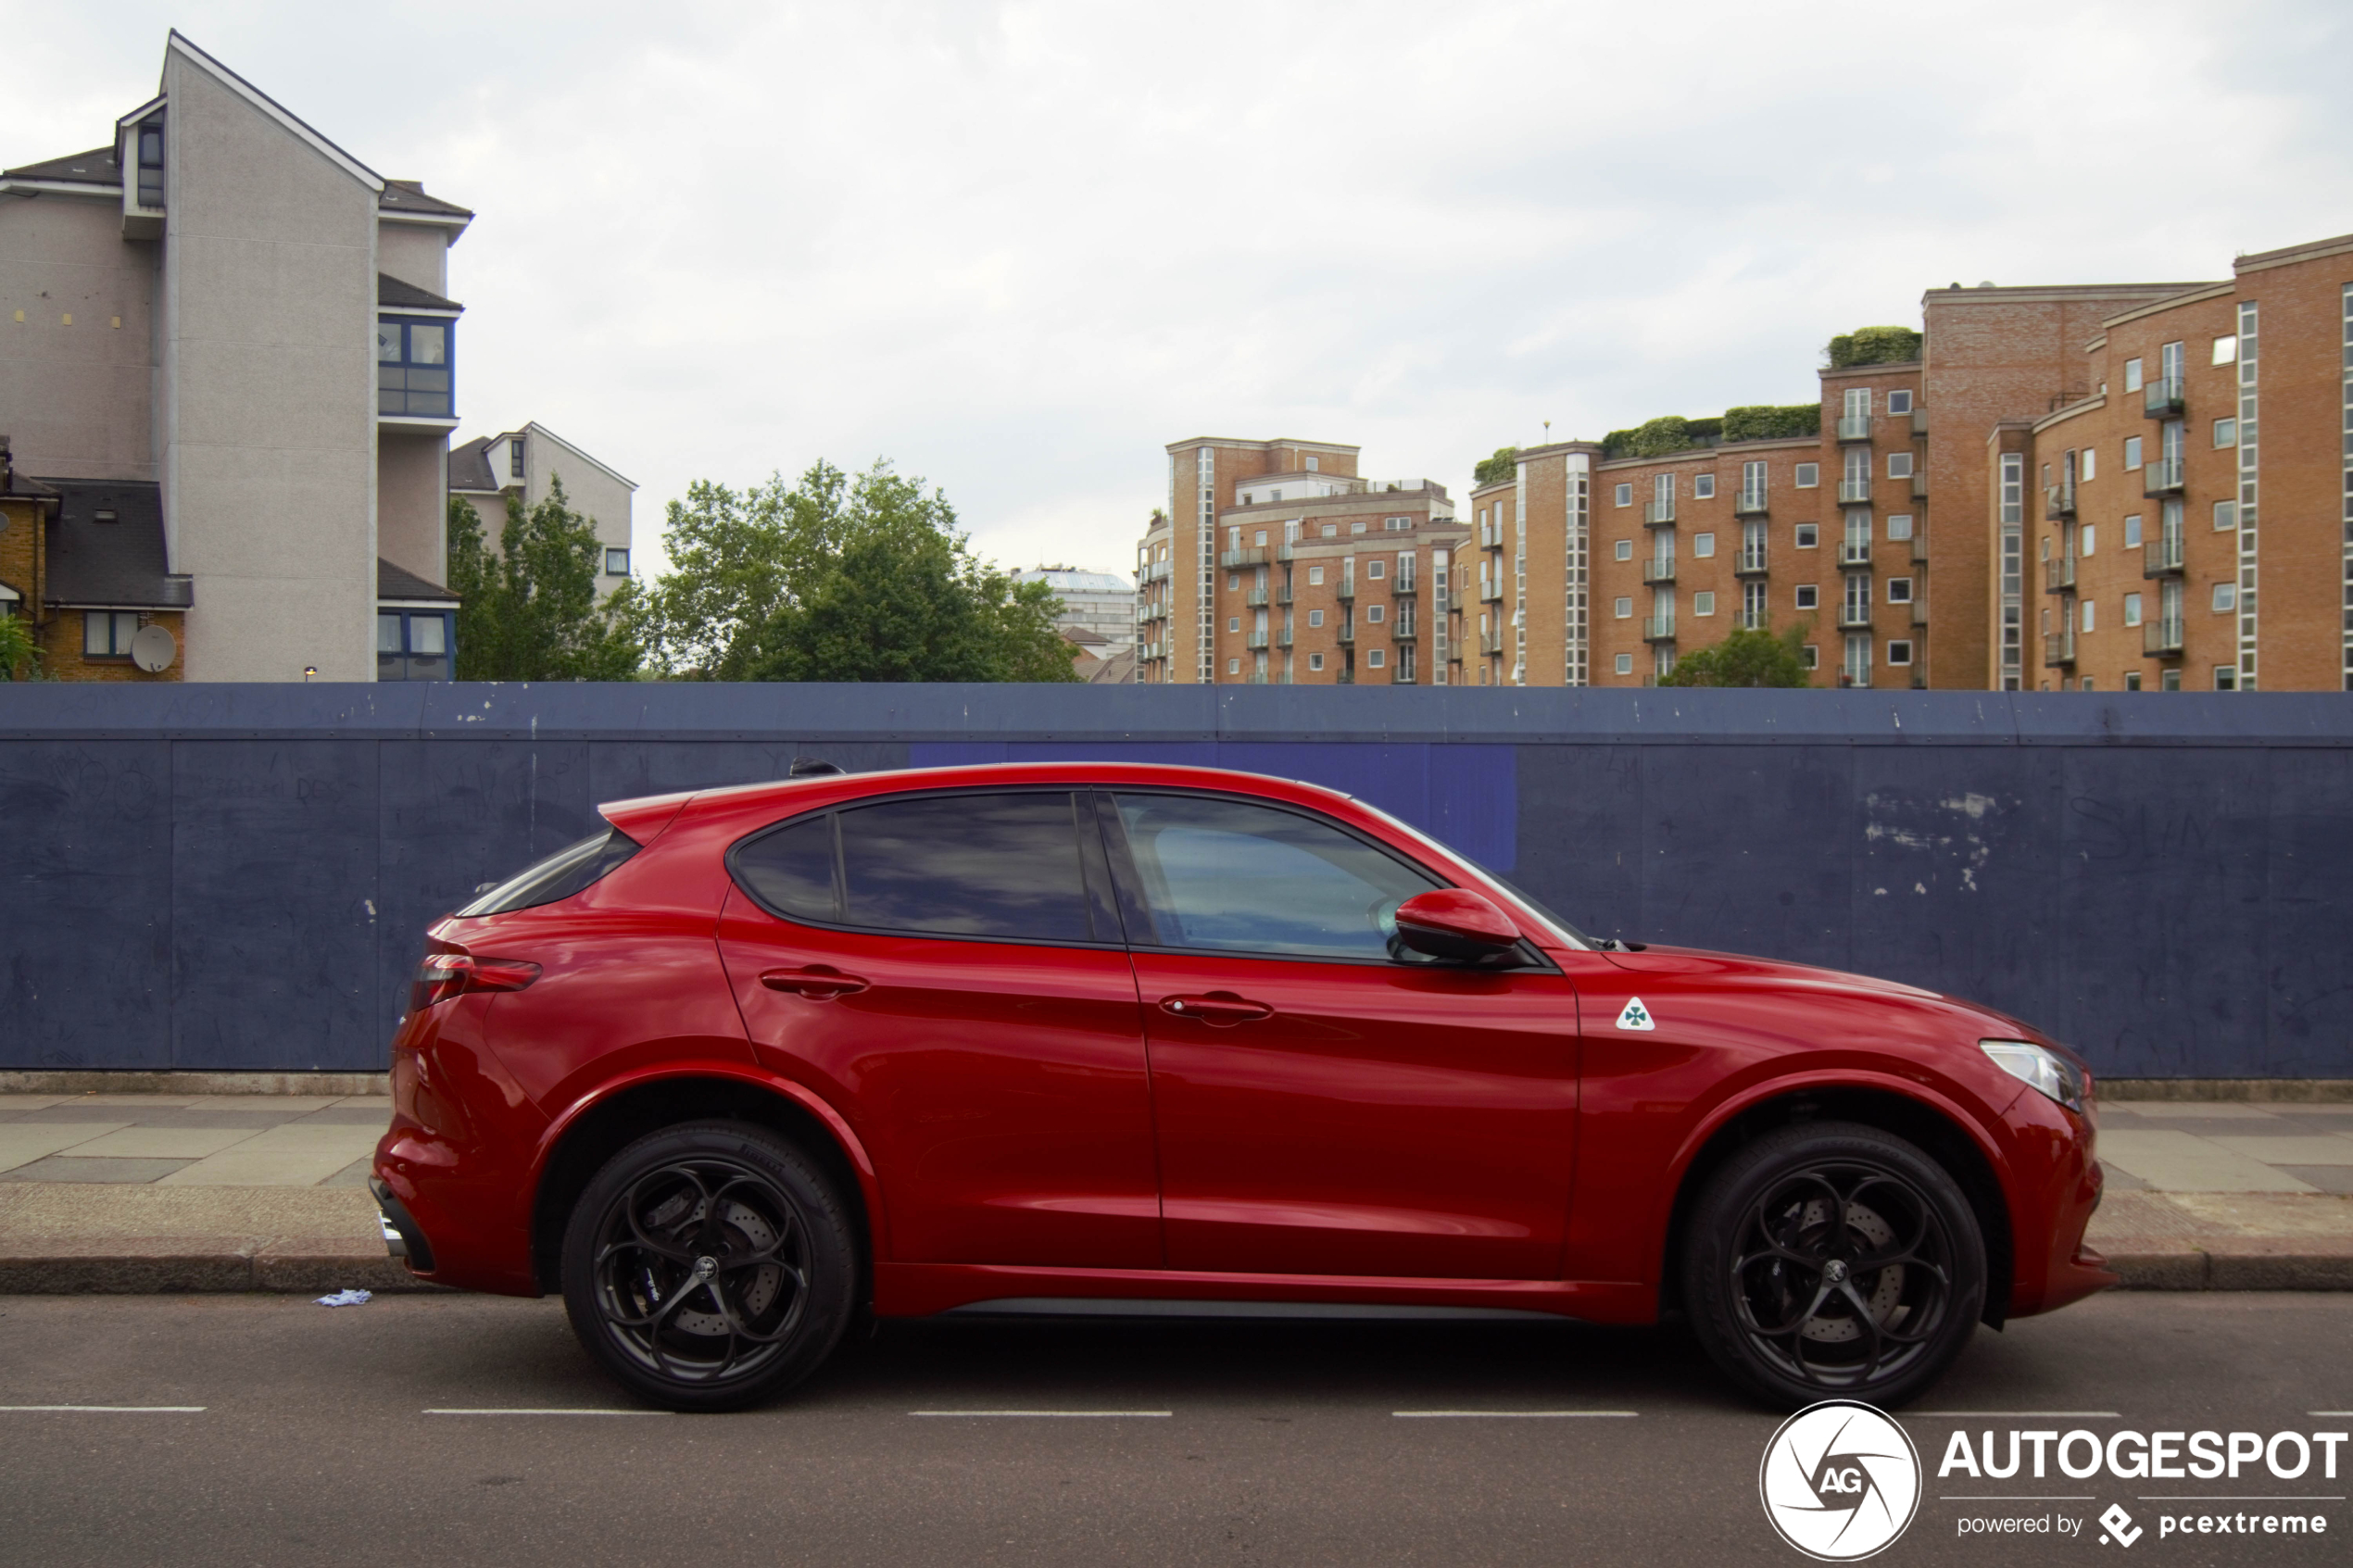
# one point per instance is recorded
(347, 1298)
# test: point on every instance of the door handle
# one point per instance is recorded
(819, 982)
(1219, 1010)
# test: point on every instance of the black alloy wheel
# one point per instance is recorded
(1830, 1260)
(709, 1266)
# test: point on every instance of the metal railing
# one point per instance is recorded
(1491, 642)
(2161, 476)
(1919, 543)
(1658, 628)
(2059, 647)
(1853, 491)
(1919, 485)
(1854, 427)
(1854, 552)
(1283, 594)
(1403, 630)
(2058, 500)
(2161, 556)
(1403, 586)
(1919, 612)
(1257, 640)
(1749, 503)
(1659, 569)
(1920, 419)
(2161, 397)
(1491, 592)
(2059, 575)
(1253, 556)
(1255, 598)
(1748, 560)
(2161, 637)
(1347, 589)
(1347, 634)
(1158, 570)
(1853, 617)
(1658, 513)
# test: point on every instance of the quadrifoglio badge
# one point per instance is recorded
(1841, 1481)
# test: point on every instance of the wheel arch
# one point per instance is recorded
(1936, 1129)
(600, 1127)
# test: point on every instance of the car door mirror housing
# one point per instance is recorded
(1456, 924)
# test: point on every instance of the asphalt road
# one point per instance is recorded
(1282, 1444)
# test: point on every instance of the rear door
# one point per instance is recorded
(948, 970)
(1325, 1107)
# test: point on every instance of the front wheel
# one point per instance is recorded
(1833, 1260)
(709, 1266)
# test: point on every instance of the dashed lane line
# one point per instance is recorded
(109, 1410)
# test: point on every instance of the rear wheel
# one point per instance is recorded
(1831, 1259)
(709, 1266)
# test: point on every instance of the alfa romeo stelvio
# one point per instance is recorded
(748, 1063)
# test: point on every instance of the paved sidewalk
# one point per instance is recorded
(211, 1192)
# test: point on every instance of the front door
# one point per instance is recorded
(1323, 1107)
(948, 969)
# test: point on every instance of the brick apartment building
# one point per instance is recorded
(2064, 491)
(1275, 562)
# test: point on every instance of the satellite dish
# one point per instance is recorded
(154, 648)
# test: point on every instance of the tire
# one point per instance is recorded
(1832, 1261)
(709, 1266)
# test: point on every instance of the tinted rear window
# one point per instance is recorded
(560, 876)
(964, 865)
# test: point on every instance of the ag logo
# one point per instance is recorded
(1636, 1016)
(2120, 1525)
(1840, 1481)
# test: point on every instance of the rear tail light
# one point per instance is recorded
(444, 975)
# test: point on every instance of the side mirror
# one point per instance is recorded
(1454, 924)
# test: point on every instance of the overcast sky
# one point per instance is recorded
(1017, 248)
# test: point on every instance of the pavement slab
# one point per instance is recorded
(2179, 1161)
(21, 1144)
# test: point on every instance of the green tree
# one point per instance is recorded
(19, 655)
(1745, 659)
(528, 611)
(1503, 465)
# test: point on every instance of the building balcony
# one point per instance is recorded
(2161, 638)
(1283, 638)
(1491, 592)
(1748, 503)
(1491, 642)
(1853, 617)
(1920, 419)
(2059, 647)
(2161, 476)
(2161, 397)
(1256, 599)
(1283, 594)
(1659, 514)
(1404, 632)
(1256, 557)
(1919, 612)
(1256, 677)
(1749, 561)
(1853, 491)
(1255, 640)
(1659, 569)
(1854, 552)
(1919, 485)
(2058, 500)
(1490, 536)
(2059, 575)
(1345, 678)
(2161, 556)
(1752, 619)
(1346, 635)
(1401, 678)
(1405, 587)
(1919, 543)
(1658, 628)
(1854, 427)
(1157, 570)
(1346, 591)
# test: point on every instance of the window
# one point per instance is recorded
(1810, 597)
(1315, 576)
(2087, 464)
(412, 645)
(1899, 651)
(1396, 524)
(2089, 617)
(107, 633)
(1899, 465)
(1233, 667)
(1625, 665)
(1703, 486)
(514, 458)
(1703, 546)
(2226, 348)
(412, 367)
(1314, 618)
(2132, 610)
(1626, 549)
(1810, 655)
(1899, 402)
(1316, 660)
(560, 876)
(1808, 476)
(1357, 527)
(1899, 528)
(1374, 613)
(1331, 531)
(1314, 465)
(616, 561)
(1374, 659)
(2226, 514)
(2226, 596)
(1274, 495)
(1261, 539)
(1623, 608)
(1703, 603)
(151, 163)
(2086, 684)
(1625, 496)
(1899, 590)
(1376, 569)
(1233, 623)
(2132, 533)
(2132, 377)
(1858, 402)
(1237, 877)
(2226, 677)
(2131, 453)
(2168, 681)
(2085, 538)
(1808, 535)
(2131, 680)
(2226, 433)
(1234, 579)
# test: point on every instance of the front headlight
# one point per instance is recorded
(2041, 1069)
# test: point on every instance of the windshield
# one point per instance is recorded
(560, 876)
(1565, 934)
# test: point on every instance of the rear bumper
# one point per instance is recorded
(404, 1238)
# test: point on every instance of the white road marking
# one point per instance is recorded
(2250, 1497)
(568, 1411)
(1508, 1415)
(2016, 1415)
(1073, 1415)
(2016, 1497)
(113, 1410)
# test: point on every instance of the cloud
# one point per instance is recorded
(1018, 247)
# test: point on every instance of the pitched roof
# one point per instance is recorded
(121, 561)
(1119, 670)
(399, 295)
(408, 195)
(470, 466)
(399, 582)
(95, 166)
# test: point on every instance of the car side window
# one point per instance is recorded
(1229, 874)
(1006, 866)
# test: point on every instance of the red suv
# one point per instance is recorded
(1093, 1037)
